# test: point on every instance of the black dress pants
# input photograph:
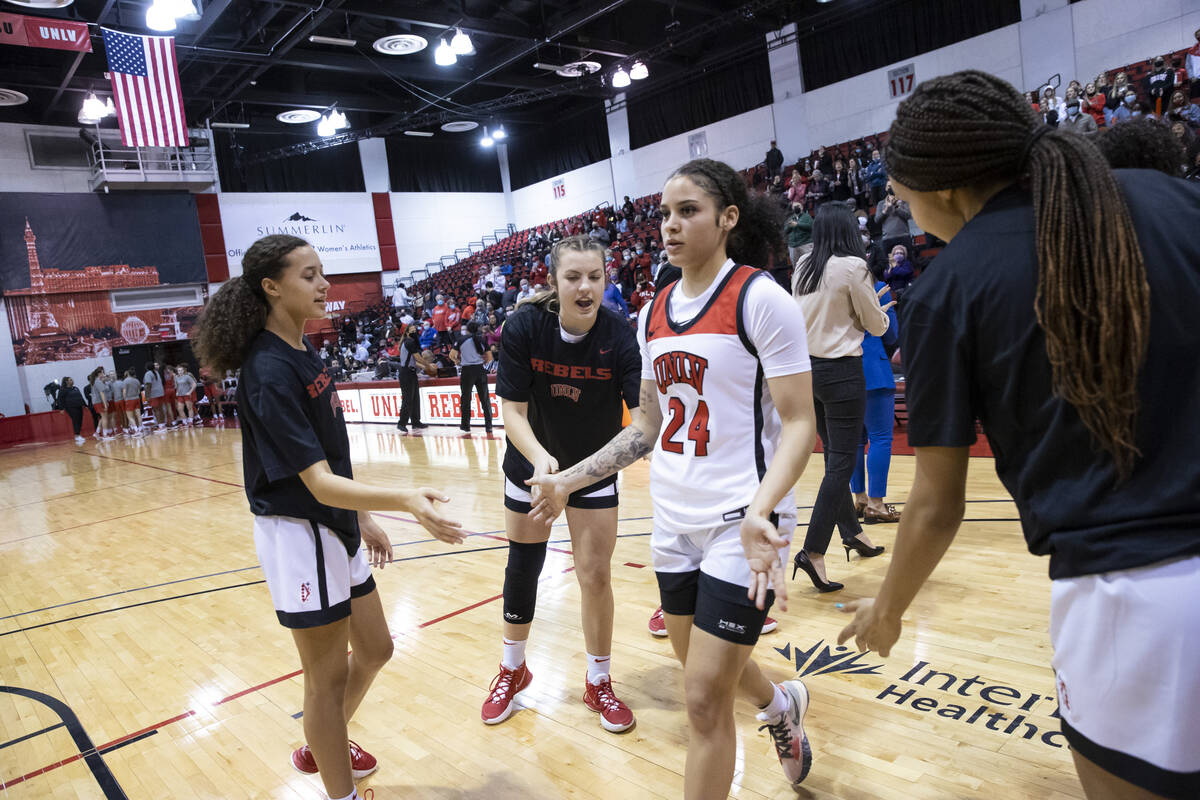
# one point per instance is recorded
(473, 376)
(839, 397)
(410, 401)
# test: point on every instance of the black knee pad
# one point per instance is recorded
(520, 580)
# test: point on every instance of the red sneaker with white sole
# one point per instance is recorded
(657, 626)
(362, 763)
(769, 625)
(615, 716)
(505, 686)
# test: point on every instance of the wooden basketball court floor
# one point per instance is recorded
(140, 656)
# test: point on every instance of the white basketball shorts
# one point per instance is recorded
(309, 574)
(1127, 661)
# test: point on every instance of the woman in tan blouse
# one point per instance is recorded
(838, 299)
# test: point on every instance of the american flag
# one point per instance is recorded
(145, 82)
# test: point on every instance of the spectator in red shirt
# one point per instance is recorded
(1093, 103)
(643, 295)
(600, 218)
(438, 318)
(453, 315)
(641, 261)
(538, 273)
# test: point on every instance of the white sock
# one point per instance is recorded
(514, 654)
(352, 796)
(778, 706)
(598, 667)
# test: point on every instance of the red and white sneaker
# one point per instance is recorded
(362, 763)
(769, 625)
(791, 743)
(505, 686)
(615, 716)
(657, 626)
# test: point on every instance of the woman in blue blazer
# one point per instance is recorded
(877, 423)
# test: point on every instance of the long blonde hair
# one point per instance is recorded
(548, 299)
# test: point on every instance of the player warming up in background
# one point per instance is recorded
(1079, 355)
(312, 529)
(565, 368)
(723, 468)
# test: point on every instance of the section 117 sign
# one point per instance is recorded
(901, 80)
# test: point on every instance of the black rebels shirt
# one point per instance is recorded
(973, 349)
(291, 419)
(574, 390)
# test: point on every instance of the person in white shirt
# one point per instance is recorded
(499, 281)
(400, 297)
(526, 291)
(834, 290)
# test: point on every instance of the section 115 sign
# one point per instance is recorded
(560, 189)
(901, 80)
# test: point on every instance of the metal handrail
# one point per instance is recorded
(157, 161)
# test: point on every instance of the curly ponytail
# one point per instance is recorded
(758, 232)
(238, 311)
(1093, 299)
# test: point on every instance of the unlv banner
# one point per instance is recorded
(440, 404)
(54, 34)
(339, 225)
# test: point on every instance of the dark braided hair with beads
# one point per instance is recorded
(1093, 300)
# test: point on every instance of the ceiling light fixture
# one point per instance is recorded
(93, 107)
(230, 125)
(443, 55)
(486, 141)
(333, 40)
(326, 127)
(338, 119)
(499, 134)
(160, 16)
(638, 71)
(419, 133)
(620, 78)
(461, 44)
(298, 116)
(400, 44)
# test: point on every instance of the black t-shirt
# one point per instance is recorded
(973, 349)
(291, 419)
(574, 390)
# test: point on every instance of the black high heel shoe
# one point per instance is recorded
(863, 549)
(802, 562)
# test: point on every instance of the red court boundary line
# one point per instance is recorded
(157, 726)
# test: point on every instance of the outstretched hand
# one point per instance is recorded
(422, 507)
(870, 629)
(761, 542)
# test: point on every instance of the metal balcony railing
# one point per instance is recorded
(160, 167)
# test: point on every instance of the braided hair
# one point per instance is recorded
(1093, 300)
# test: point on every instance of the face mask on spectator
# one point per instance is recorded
(463, 329)
(441, 302)
(1130, 99)
(1073, 110)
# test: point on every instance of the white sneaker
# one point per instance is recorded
(791, 743)
(80, 440)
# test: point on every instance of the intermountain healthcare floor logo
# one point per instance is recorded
(821, 659)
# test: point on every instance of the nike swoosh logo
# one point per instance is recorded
(603, 352)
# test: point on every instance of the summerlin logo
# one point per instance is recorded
(943, 693)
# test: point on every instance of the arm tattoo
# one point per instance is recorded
(623, 449)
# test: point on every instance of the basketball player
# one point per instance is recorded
(1079, 355)
(565, 367)
(168, 381)
(312, 530)
(153, 384)
(185, 395)
(102, 401)
(132, 389)
(722, 473)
